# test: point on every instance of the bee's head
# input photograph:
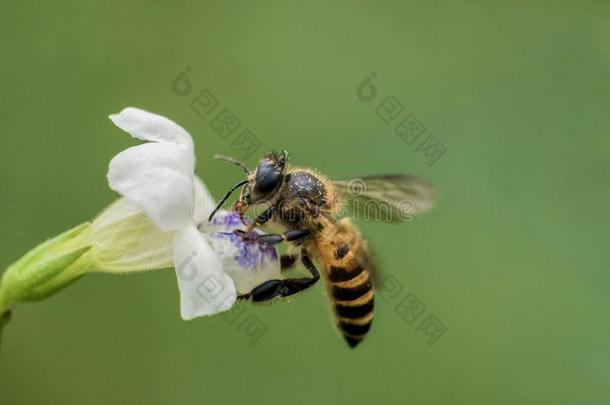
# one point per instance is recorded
(260, 186)
(266, 180)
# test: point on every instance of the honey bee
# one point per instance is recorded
(308, 206)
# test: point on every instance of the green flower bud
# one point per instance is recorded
(45, 269)
(120, 240)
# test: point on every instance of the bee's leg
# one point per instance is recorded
(287, 261)
(275, 238)
(239, 207)
(287, 287)
(269, 239)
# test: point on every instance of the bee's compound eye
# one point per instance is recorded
(268, 177)
(268, 180)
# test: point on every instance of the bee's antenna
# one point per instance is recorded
(224, 199)
(234, 161)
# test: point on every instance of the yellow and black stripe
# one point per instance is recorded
(352, 294)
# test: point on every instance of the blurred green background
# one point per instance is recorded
(513, 262)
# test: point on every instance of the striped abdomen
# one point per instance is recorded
(344, 259)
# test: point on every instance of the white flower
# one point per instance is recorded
(212, 264)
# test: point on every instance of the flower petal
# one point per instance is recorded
(248, 264)
(151, 127)
(204, 202)
(204, 287)
(159, 178)
(124, 240)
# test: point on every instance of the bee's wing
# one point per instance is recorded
(386, 198)
(377, 276)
